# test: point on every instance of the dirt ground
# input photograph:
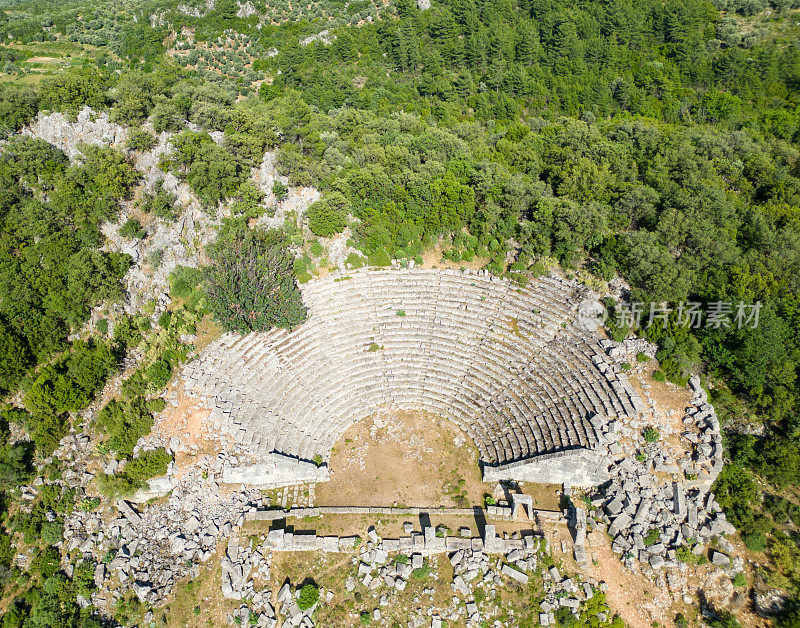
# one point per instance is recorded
(198, 602)
(184, 420)
(403, 458)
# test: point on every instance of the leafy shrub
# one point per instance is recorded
(156, 405)
(15, 357)
(155, 258)
(164, 319)
(137, 471)
(755, 541)
(650, 434)
(89, 504)
(127, 333)
(565, 618)
(642, 357)
(659, 376)
(309, 595)
(355, 260)
(212, 172)
(652, 537)
(316, 248)
(183, 280)
(132, 229)
(102, 326)
(739, 580)
(141, 140)
(52, 531)
(328, 217)
(124, 423)
(684, 554)
(251, 284)
(280, 190)
(161, 204)
(420, 573)
(135, 385)
(71, 383)
(158, 374)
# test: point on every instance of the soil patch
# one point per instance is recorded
(403, 458)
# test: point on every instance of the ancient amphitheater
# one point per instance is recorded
(506, 364)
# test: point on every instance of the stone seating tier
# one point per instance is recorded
(504, 363)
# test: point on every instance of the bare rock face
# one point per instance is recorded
(246, 9)
(323, 36)
(297, 200)
(423, 5)
(87, 128)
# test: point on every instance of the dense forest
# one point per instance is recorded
(654, 141)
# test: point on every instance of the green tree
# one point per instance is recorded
(15, 357)
(328, 217)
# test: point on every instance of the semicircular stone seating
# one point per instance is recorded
(503, 362)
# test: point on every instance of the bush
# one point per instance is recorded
(158, 374)
(755, 541)
(251, 283)
(309, 595)
(652, 537)
(739, 580)
(161, 205)
(124, 423)
(127, 333)
(328, 217)
(684, 554)
(137, 471)
(565, 618)
(52, 531)
(183, 280)
(316, 248)
(650, 434)
(280, 190)
(102, 326)
(642, 357)
(379, 257)
(156, 405)
(355, 260)
(164, 319)
(420, 573)
(155, 258)
(71, 383)
(141, 140)
(132, 229)
(659, 376)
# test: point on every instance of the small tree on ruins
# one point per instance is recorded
(251, 284)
